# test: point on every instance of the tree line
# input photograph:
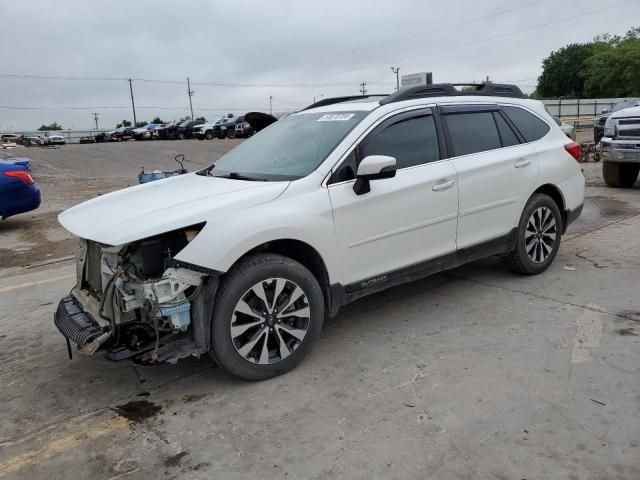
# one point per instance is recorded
(609, 66)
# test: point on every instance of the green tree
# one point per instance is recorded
(563, 71)
(157, 120)
(141, 124)
(124, 123)
(201, 119)
(53, 126)
(613, 70)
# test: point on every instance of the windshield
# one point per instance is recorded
(290, 148)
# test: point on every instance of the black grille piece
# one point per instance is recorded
(629, 132)
(74, 323)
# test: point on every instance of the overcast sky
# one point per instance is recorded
(291, 50)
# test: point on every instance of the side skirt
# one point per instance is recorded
(343, 294)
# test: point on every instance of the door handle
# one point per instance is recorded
(523, 162)
(438, 187)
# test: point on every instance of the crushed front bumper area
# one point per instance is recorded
(79, 328)
(75, 324)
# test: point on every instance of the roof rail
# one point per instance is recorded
(330, 101)
(449, 90)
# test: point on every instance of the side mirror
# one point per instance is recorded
(373, 167)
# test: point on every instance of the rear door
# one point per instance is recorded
(403, 220)
(495, 170)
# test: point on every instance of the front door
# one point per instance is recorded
(403, 220)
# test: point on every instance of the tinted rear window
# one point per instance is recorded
(472, 132)
(507, 135)
(530, 126)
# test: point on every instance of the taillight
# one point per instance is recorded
(24, 176)
(574, 150)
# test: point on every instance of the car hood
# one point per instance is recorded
(157, 207)
(627, 112)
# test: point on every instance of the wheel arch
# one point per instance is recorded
(302, 253)
(556, 195)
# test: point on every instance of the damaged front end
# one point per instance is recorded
(135, 301)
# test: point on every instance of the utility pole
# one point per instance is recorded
(133, 105)
(95, 118)
(270, 104)
(397, 72)
(362, 89)
(190, 93)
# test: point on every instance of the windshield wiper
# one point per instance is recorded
(239, 176)
(207, 170)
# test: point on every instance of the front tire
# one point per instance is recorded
(268, 314)
(620, 175)
(208, 135)
(537, 238)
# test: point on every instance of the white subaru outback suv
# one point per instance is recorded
(347, 197)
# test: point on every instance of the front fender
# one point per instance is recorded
(304, 217)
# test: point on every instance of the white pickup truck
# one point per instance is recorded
(621, 148)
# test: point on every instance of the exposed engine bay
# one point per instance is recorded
(134, 300)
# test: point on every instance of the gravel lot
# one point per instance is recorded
(473, 373)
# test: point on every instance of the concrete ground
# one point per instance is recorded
(475, 373)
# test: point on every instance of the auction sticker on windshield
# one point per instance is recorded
(336, 117)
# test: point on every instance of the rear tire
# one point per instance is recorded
(620, 175)
(208, 135)
(251, 339)
(537, 237)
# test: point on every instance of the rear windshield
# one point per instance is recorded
(290, 148)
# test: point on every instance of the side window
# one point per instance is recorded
(507, 135)
(472, 132)
(530, 126)
(346, 170)
(412, 141)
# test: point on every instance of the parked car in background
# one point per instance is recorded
(123, 133)
(103, 137)
(173, 130)
(179, 131)
(9, 138)
(621, 148)
(22, 161)
(598, 128)
(18, 192)
(148, 132)
(55, 139)
(228, 130)
(568, 129)
(259, 120)
(206, 130)
(243, 129)
(245, 258)
(168, 131)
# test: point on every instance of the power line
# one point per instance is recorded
(481, 40)
(172, 82)
(422, 33)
